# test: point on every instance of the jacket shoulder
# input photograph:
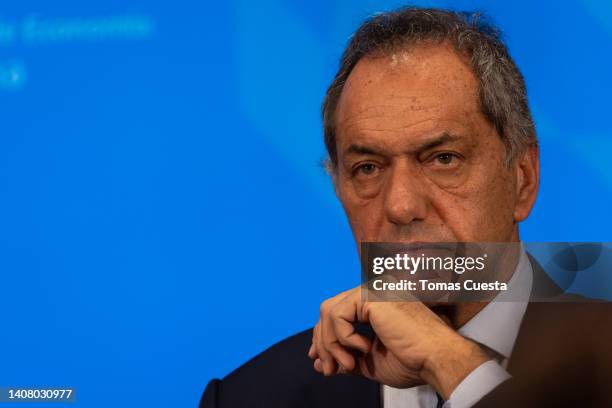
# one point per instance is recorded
(283, 376)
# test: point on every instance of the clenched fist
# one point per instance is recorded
(412, 345)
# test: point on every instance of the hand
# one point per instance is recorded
(412, 346)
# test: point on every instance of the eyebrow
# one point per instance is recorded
(439, 140)
(436, 141)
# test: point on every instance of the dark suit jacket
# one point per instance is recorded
(562, 357)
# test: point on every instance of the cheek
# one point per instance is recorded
(456, 214)
(364, 215)
(481, 211)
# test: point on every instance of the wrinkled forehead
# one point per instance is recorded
(405, 87)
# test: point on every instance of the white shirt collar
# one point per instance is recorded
(497, 324)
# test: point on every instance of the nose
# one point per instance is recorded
(405, 196)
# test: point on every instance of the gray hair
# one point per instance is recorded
(502, 92)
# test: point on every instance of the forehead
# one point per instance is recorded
(424, 89)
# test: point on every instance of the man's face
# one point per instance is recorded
(417, 160)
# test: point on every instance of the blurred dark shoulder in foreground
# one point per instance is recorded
(283, 376)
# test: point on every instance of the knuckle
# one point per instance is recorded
(367, 307)
(343, 340)
(325, 307)
(334, 312)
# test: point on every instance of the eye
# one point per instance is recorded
(365, 169)
(445, 158)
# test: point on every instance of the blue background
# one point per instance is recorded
(158, 194)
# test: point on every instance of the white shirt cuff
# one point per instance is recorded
(477, 384)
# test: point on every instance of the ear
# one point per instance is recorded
(527, 167)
